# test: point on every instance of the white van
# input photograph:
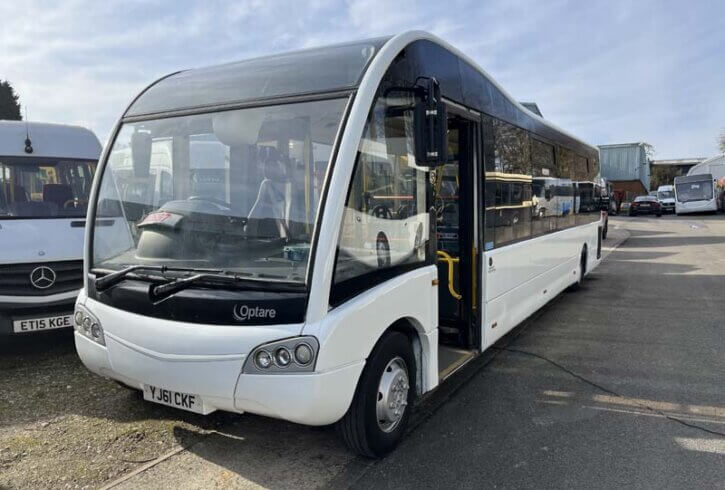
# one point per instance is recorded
(46, 171)
(666, 197)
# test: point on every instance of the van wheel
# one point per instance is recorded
(379, 413)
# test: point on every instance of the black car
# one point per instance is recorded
(645, 205)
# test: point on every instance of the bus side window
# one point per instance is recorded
(513, 182)
(543, 208)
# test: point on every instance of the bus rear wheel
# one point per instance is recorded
(379, 413)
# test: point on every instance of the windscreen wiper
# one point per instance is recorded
(113, 278)
(226, 279)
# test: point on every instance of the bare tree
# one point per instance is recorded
(722, 141)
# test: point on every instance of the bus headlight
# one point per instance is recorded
(295, 355)
(282, 357)
(263, 359)
(88, 325)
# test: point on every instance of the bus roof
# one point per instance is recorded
(48, 140)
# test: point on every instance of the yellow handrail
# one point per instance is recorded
(443, 256)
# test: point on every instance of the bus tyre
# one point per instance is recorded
(380, 410)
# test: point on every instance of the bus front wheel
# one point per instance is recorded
(379, 413)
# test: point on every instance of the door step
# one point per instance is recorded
(451, 359)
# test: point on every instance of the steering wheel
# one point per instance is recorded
(212, 200)
(74, 203)
(382, 211)
(404, 211)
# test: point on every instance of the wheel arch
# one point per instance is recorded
(415, 332)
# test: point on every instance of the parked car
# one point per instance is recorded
(645, 205)
(624, 207)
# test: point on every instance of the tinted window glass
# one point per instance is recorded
(565, 188)
(512, 177)
(587, 196)
(543, 188)
(312, 70)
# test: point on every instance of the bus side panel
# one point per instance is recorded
(525, 276)
(349, 332)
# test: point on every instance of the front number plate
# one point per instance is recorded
(26, 325)
(184, 401)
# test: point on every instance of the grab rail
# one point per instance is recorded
(444, 257)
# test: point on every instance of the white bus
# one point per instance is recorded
(696, 194)
(46, 171)
(372, 231)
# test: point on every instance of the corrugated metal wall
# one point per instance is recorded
(625, 162)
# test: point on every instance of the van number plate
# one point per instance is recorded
(184, 401)
(26, 325)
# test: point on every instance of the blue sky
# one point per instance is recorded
(607, 71)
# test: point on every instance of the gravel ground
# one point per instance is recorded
(62, 426)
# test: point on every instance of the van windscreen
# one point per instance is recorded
(44, 188)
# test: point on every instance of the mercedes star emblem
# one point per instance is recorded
(42, 277)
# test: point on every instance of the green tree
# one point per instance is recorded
(663, 175)
(9, 106)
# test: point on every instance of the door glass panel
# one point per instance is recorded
(447, 202)
(386, 221)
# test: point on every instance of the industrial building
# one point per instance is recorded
(626, 166)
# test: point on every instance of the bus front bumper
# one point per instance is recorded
(318, 398)
(696, 207)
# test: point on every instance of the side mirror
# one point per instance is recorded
(431, 138)
(141, 154)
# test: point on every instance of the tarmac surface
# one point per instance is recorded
(621, 383)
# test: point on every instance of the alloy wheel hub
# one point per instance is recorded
(392, 396)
